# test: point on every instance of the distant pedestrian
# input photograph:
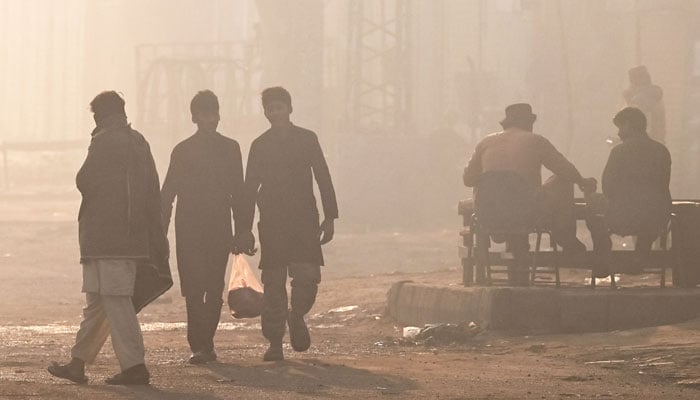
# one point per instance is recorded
(649, 98)
(206, 176)
(279, 177)
(120, 230)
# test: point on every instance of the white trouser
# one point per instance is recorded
(109, 311)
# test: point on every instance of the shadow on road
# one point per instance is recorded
(309, 376)
(150, 393)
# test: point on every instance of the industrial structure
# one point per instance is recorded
(362, 72)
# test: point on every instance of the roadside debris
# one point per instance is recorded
(441, 334)
(410, 332)
(343, 309)
(345, 315)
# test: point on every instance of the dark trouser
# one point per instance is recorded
(519, 271)
(558, 212)
(204, 311)
(602, 248)
(305, 280)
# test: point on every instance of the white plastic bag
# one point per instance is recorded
(244, 290)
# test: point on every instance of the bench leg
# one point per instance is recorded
(468, 268)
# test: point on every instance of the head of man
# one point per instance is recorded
(205, 110)
(107, 105)
(277, 104)
(520, 116)
(639, 76)
(630, 122)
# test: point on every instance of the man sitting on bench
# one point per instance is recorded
(636, 192)
(518, 149)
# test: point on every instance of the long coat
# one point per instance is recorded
(120, 197)
(279, 178)
(206, 176)
(120, 215)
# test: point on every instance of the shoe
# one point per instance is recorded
(298, 332)
(274, 352)
(66, 372)
(136, 375)
(202, 357)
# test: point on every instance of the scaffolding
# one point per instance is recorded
(170, 74)
(379, 66)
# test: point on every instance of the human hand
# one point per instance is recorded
(327, 231)
(244, 243)
(588, 185)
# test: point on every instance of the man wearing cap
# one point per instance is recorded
(518, 149)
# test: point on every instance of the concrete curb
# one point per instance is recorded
(541, 310)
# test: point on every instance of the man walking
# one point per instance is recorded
(281, 166)
(206, 176)
(120, 227)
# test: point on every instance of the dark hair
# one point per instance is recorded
(204, 101)
(632, 115)
(277, 93)
(107, 103)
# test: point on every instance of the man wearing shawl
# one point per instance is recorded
(123, 248)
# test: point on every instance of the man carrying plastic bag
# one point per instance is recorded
(206, 177)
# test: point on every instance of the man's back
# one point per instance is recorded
(116, 181)
(636, 183)
(519, 151)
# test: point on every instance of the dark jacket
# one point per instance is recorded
(120, 212)
(279, 178)
(119, 185)
(636, 183)
(206, 176)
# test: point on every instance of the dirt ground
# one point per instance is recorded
(356, 351)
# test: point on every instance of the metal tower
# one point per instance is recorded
(379, 66)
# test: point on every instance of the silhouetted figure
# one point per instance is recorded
(120, 228)
(279, 177)
(636, 188)
(646, 96)
(206, 176)
(519, 150)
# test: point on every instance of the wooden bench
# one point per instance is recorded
(664, 256)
